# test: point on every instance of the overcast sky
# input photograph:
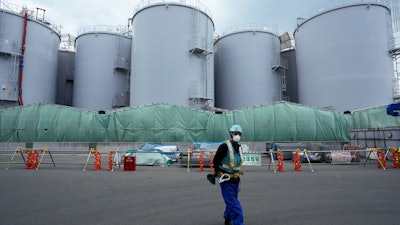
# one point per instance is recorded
(278, 15)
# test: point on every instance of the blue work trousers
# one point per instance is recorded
(233, 211)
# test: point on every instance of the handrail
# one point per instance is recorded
(106, 28)
(333, 4)
(247, 27)
(21, 10)
(193, 3)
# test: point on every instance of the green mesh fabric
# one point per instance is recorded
(275, 122)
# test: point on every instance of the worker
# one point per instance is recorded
(227, 166)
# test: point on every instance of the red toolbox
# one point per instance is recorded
(130, 163)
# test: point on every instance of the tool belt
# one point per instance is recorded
(228, 177)
(232, 175)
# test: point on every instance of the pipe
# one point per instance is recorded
(21, 61)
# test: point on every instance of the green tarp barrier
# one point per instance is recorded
(275, 122)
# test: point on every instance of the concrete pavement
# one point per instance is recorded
(65, 195)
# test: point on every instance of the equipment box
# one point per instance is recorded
(130, 163)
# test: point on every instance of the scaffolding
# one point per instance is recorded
(200, 46)
(394, 6)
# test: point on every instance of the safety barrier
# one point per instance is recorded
(201, 161)
(32, 157)
(190, 152)
(32, 160)
(395, 157)
(116, 160)
(92, 151)
(97, 160)
(110, 161)
(379, 154)
(384, 159)
(249, 158)
(44, 151)
(200, 155)
(346, 155)
(280, 161)
(381, 159)
(341, 156)
(18, 150)
(296, 160)
(272, 160)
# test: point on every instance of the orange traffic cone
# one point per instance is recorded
(211, 162)
(29, 160)
(395, 158)
(35, 162)
(296, 159)
(381, 159)
(201, 161)
(97, 160)
(280, 161)
(110, 160)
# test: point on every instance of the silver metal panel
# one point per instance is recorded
(40, 61)
(291, 92)
(342, 58)
(102, 65)
(65, 77)
(373, 138)
(244, 69)
(172, 60)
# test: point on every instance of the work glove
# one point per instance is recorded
(211, 178)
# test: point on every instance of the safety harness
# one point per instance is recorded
(232, 167)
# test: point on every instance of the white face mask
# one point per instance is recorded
(236, 138)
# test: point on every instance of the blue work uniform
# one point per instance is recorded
(230, 189)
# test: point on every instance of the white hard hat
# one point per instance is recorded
(236, 128)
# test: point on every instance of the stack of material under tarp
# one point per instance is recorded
(144, 158)
(171, 151)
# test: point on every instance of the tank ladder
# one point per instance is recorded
(14, 68)
(395, 12)
(122, 68)
(395, 46)
(200, 46)
(280, 66)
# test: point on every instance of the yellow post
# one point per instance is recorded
(188, 159)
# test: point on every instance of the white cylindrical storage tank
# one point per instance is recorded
(39, 58)
(343, 59)
(102, 67)
(248, 69)
(172, 60)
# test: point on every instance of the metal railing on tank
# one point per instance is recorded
(17, 9)
(32, 14)
(248, 27)
(122, 30)
(333, 4)
(193, 3)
